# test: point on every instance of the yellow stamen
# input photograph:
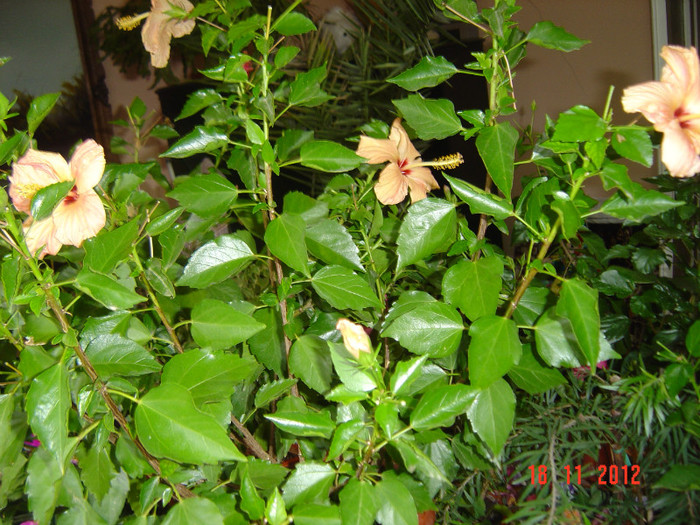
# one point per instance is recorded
(127, 23)
(690, 116)
(27, 191)
(448, 162)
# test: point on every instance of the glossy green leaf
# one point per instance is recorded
(284, 237)
(430, 118)
(438, 407)
(310, 482)
(194, 510)
(251, 502)
(311, 210)
(358, 503)
(107, 290)
(579, 124)
(324, 155)
(215, 261)
(556, 342)
(492, 414)
(578, 302)
(633, 143)
(199, 100)
(314, 514)
(570, 217)
(208, 375)
(48, 404)
(345, 435)
(406, 373)
(304, 424)
(39, 108)
(546, 34)
(429, 72)
(430, 227)
(434, 329)
(474, 287)
(218, 325)
(680, 478)
(496, 146)
(275, 510)
(109, 248)
(13, 429)
(479, 201)
(343, 289)
(305, 90)
(692, 339)
(268, 345)
(532, 305)
(273, 390)
(310, 361)
(116, 355)
(44, 480)
(293, 23)
(284, 56)
(203, 139)
(494, 348)
(206, 194)
(169, 425)
(96, 470)
(641, 204)
(158, 279)
(10, 146)
(47, 198)
(164, 222)
(350, 372)
(329, 241)
(532, 376)
(396, 503)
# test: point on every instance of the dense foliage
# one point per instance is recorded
(227, 355)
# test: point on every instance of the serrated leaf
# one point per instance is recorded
(169, 425)
(304, 424)
(546, 34)
(358, 503)
(533, 377)
(215, 261)
(113, 354)
(633, 143)
(429, 72)
(329, 241)
(107, 291)
(328, 156)
(430, 118)
(406, 373)
(474, 287)
(284, 237)
(479, 201)
(310, 361)
(293, 23)
(556, 342)
(198, 101)
(430, 227)
(272, 390)
(641, 204)
(343, 289)
(578, 302)
(351, 373)
(439, 407)
(47, 198)
(203, 139)
(492, 414)
(494, 348)
(397, 505)
(109, 248)
(194, 510)
(218, 325)
(496, 146)
(206, 194)
(305, 90)
(579, 124)
(39, 108)
(310, 482)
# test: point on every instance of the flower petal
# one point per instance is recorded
(33, 171)
(377, 151)
(79, 220)
(420, 182)
(87, 165)
(392, 186)
(355, 338)
(655, 100)
(41, 234)
(404, 146)
(678, 153)
(156, 39)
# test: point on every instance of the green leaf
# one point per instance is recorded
(310, 482)
(204, 139)
(350, 372)
(116, 355)
(439, 407)
(430, 227)
(492, 414)
(164, 222)
(429, 72)
(48, 404)
(44, 480)
(578, 302)
(494, 348)
(275, 511)
(109, 248)
(284, 56)
(324, 155)
(345, 435)
(157, 278)
(641, 204)
(206, 194)
(692, 339)
(39, 108)
(272, 390)
(306, 90)
(251, 502)
(633, 143)
(293, 23)
(480, 201)
(430, 118)
(329, 241)
(268, 345)
(304, 424)
(434, 329)
(199, 100)
(358, 503)
(343, 289)
(10, 146)
(397, 505)
(96, 471)
(532, 376)
(579, 124)
(208, 375)
(496, 146)
(169, 425)
(310, 361)
(285, 239)
(532, 305)
(215, 261)
(47, 198)
(194, 510)
(107, 291)
(570, 217)
(314, 514)
(406, 373)
(474, 287)
(13, 429)
(556, 342)
(218, 325)
(546, 34)
(680, 478)
(310, 209)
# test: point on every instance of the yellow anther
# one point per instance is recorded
(127, 23)
(448, 162)
(27, 191)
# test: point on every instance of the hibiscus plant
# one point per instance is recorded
(229, 355)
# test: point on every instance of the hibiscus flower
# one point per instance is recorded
(160, 27)
(79, 215)
(405, 171)
(355, 338)
(672, 105)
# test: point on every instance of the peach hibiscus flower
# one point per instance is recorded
(405, 171)
(355, 338)
(160, 28)
(672, 105)
(79, 215)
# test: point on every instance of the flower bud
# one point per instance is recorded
(355, 338)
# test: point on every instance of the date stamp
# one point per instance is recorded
(607, 474)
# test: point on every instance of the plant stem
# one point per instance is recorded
(251, 442)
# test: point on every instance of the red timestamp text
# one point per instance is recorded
(607, 474)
